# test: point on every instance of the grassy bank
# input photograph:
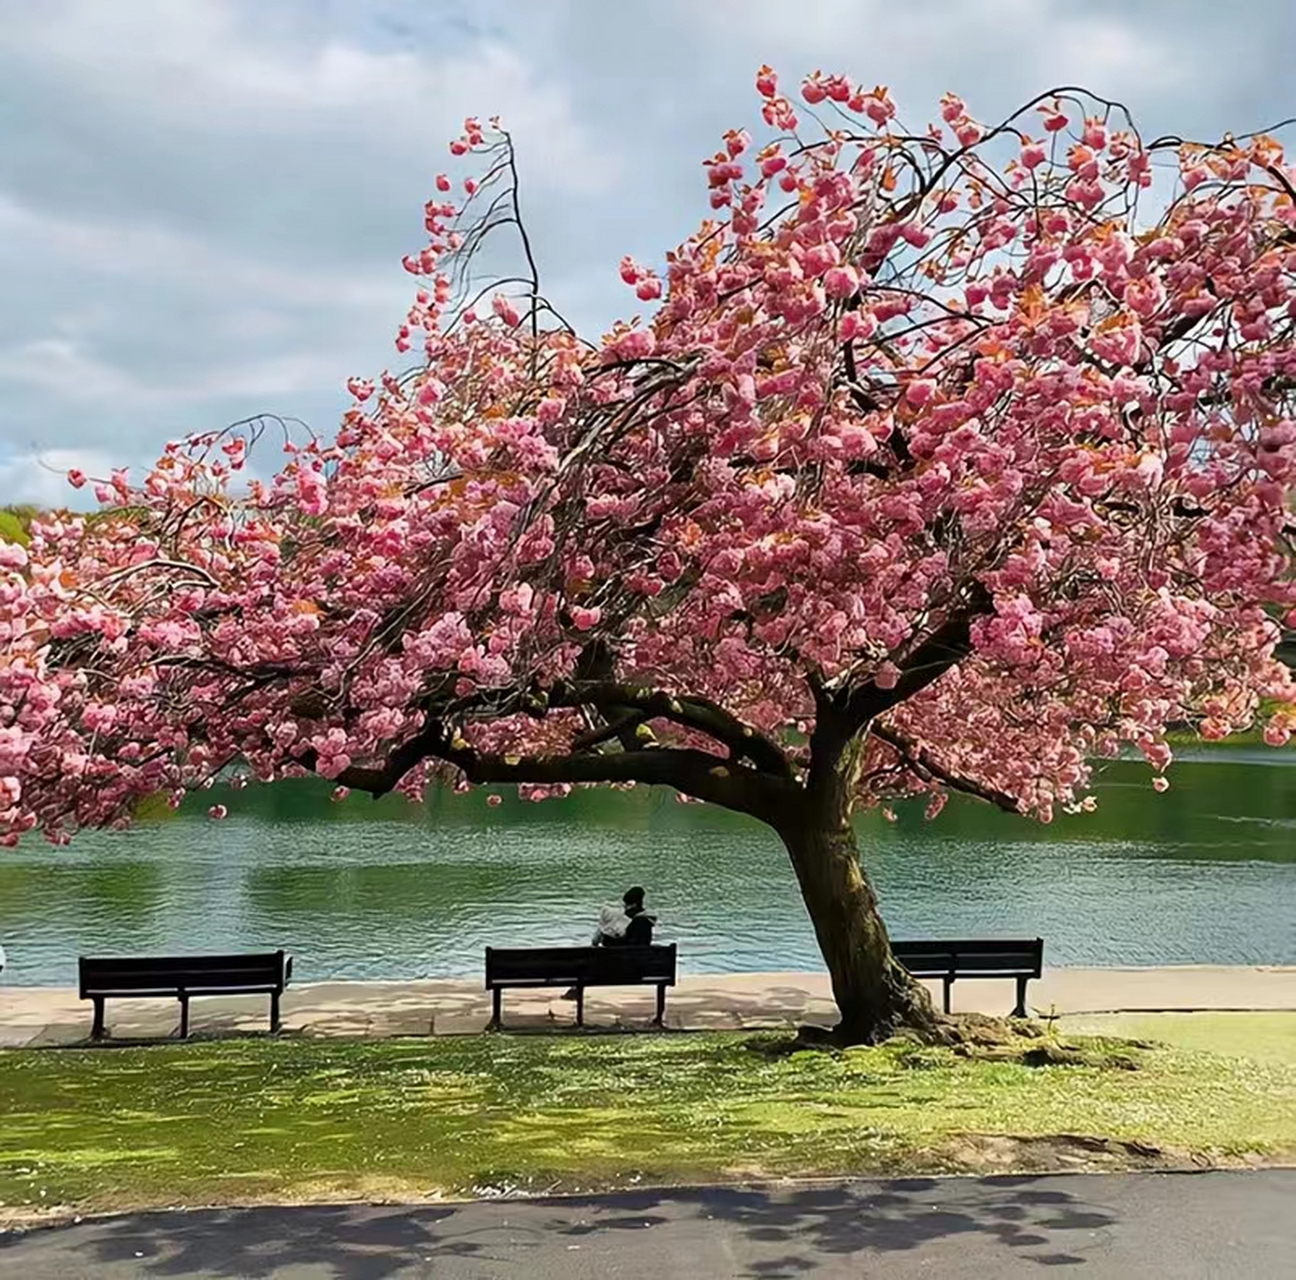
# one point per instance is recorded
(246, 1120)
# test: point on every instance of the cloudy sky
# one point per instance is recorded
(204, 203)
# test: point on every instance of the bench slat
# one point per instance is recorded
(170, 974)
(986, 957)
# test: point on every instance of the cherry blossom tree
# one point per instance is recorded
(944, 460)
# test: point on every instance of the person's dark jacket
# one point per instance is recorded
(639, 931)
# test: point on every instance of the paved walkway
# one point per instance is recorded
(36, 1016)
(1216, 1226)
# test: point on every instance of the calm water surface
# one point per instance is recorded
(1202, 874)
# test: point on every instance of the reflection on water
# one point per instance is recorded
(1202, 874)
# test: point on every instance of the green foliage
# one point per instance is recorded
(15, 522)
(256, 1119)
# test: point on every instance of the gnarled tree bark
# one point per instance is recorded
(875, 995)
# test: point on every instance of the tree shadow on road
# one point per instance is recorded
(769, 1234)
(344, 1241)
(792, 1232)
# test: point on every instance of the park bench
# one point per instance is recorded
(578, 968)
(184, 977)
(1022, 959)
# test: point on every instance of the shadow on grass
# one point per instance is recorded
(777, 1234)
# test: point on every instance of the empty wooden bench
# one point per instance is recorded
(578, 968)
(182, 978)
(1021, 959)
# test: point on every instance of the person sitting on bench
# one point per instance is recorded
(623, 924)
(626, 926)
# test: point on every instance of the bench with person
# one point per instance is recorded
(578, 968)
(1021, 959)
(182, 978)
(620, 954)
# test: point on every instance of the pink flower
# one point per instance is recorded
(812, 90)
(1033, 155)
(919, 392)
(879, 108)
(649, 287)
(887, 676)
(1161, 783)
(1277, 735)
(494, 800)
(583, 618)
(840, 282)
(504, 308)
(857, 324)
(217, 811)
(737, 141)
(766, 82)
(76, 478)
(638, 344)
(12, 556)
(338, 794)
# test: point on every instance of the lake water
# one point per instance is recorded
(1202, 874)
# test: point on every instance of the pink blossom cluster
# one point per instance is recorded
(897, 371)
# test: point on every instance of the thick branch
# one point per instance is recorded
(688, 711)
(695, 773)
(922, 763)
(946, 647)
(378, 780)
(840, 713)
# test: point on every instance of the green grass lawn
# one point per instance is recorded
(293, 1119)
(1265, 1037)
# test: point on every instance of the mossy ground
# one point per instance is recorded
(293, 1119)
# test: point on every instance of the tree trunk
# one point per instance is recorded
(875, 994)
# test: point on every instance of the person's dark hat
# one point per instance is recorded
(631, 896)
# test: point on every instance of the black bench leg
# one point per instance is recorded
(660, 1019)
(494, 1024)
(580, 1006)
(274, 1012)
(97, 1031)
(949, 982)
(1020, 1010)
(184, 1016)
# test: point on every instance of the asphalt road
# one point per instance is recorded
(1211, 1225)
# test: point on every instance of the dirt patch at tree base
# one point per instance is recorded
(996, 1153)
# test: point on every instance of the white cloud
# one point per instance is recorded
(926, 42)
(204, 68)
(60, 368)
(67, 373)
(141, 249)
